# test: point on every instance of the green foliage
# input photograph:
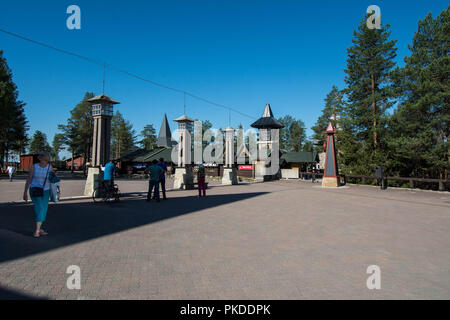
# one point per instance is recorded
(57, 145)
(206, 125)
(293, 135)
(414, 139)
(13, 123)
(149, 138)
(419, 130)
(39, 143)
(369, 94)
(331, 112)
(122, 136)
(77, 133)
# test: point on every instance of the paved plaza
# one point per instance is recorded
(273, 240)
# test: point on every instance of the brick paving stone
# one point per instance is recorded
(274, 240)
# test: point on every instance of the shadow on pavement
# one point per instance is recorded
(7, 294)
(72, 222)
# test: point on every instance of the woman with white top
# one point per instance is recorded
(38, 178)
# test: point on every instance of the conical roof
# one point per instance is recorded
(330, 128)
(267, 121)
(165, 136)
(103, 97)
(267, 111)
(183, 118)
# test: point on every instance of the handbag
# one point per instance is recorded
(38, 192)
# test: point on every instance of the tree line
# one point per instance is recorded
(386, 115)
(393, 116)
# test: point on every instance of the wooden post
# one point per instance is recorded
(363, 180)
(441, 185)
(411, 183)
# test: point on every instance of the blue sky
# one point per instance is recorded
(243, 54)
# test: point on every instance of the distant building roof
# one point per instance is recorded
(103, 97)
(143, 155)
(132, 155)
(267, 121)
(155, 154)
(300, 156)
(183, 118)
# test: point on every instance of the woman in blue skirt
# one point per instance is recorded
(38, 178)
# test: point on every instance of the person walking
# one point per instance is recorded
(38, 185)
(11, 170)
(155, 172)
(201, 180)
(162, 177)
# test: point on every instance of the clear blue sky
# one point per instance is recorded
(239, 53)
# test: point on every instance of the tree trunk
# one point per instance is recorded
(374, 111)
(72, 161)
(84, 165)
(2, 155)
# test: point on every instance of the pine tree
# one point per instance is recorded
(39, 143)
(68, 138)
(420, 129)
(293, 135)
(13, 123)
(122, 136)
(331, 112)
(149, 139)
(369, 94)
(78, 130)
(57, 145)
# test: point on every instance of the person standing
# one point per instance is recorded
(11, 170)
(39, 187)
(108, 175)
(162, 177)
(201, 180)
(155, 172)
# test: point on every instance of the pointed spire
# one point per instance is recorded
(330, 128)
(165, 136)
(267, 112)
(267, 121)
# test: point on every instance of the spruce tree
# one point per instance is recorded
(369, 94)
(420, 127)
(13, 123)
(39, 143)
(57, 145)
(293, 135)
(331, 112)
(149, 138)
(78, 130)
(122, 136)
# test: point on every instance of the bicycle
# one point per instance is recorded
(106, 194)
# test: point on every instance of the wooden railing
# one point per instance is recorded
(412, 181)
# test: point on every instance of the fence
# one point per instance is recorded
(442, 183)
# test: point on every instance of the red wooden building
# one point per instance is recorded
(78, 163)
(27, 161)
